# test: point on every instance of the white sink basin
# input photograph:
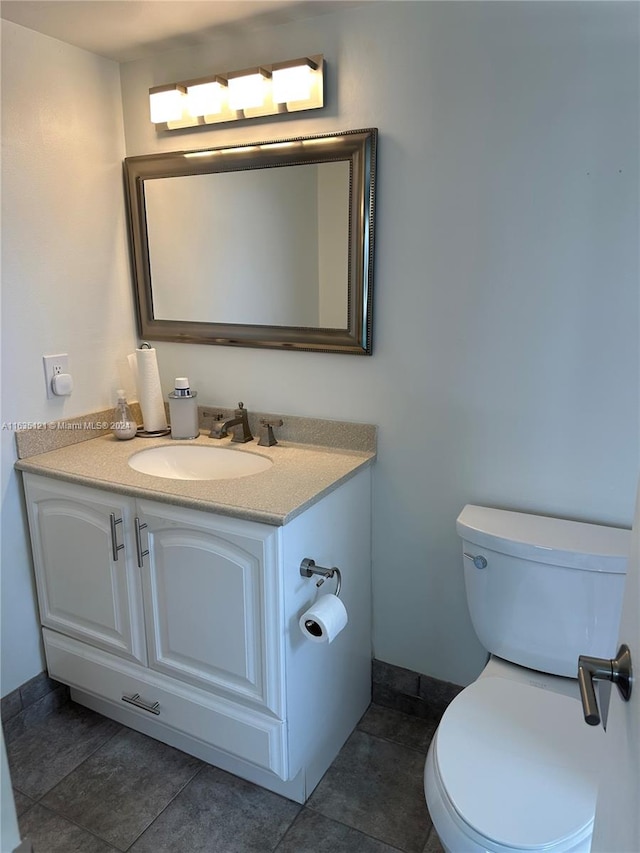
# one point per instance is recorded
(196, 462)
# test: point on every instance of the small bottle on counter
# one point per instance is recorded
(183, 410)
(124, 424)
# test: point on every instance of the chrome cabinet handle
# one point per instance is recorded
(152, 708)
(140, 525)
(114, 539)
(591, 669)
(479, 561)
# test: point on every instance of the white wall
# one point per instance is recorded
(65, 276)
(505, 366)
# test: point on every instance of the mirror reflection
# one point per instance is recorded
(267, 245)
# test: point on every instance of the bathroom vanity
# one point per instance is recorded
(172, 606)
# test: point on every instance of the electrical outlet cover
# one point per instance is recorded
(53, 365)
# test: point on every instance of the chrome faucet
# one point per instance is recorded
(238, 424)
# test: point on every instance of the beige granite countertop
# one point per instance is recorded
(301, 474)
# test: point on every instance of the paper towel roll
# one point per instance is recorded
(150, 391)
(324, 620)
(133, 367)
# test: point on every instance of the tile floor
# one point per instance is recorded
(85, 784)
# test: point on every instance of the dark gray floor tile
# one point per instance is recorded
(313, 833)
(123, 786)
(36, 688)
(50, 833)
(219, 812)
(396, 726)
(36, 712)
(45, 752)
(22, 802)
(433, 844)
(377, 787)
(10, 705)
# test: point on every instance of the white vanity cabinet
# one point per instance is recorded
(184, 623)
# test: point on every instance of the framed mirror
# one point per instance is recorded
(262, 245)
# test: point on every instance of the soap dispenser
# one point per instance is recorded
(124, 424)
(183, 410)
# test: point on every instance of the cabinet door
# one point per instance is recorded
(212, 595)
(86, 588)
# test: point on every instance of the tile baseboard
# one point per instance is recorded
(411, 692)
(30, 703)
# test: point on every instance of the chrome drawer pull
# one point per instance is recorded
(114, 539)
(141, 554)
(140, 703)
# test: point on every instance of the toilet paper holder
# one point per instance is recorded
(308, 568)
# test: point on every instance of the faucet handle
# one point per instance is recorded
(217, 424)
(267, 438)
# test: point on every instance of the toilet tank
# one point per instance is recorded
(551, 590)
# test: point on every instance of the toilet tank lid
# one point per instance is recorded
(555, 541)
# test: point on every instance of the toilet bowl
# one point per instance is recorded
(513, 766)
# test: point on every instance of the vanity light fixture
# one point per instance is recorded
(166, 103)
(291, 86)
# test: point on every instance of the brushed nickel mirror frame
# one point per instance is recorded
(358, 147)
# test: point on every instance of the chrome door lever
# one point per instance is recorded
(591, 669)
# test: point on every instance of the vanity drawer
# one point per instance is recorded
(239, 731)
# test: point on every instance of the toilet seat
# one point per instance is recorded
(514, 765)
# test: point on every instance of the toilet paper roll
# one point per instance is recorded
(324, 620)
(150, 391)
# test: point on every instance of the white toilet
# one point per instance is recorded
(512, 766)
